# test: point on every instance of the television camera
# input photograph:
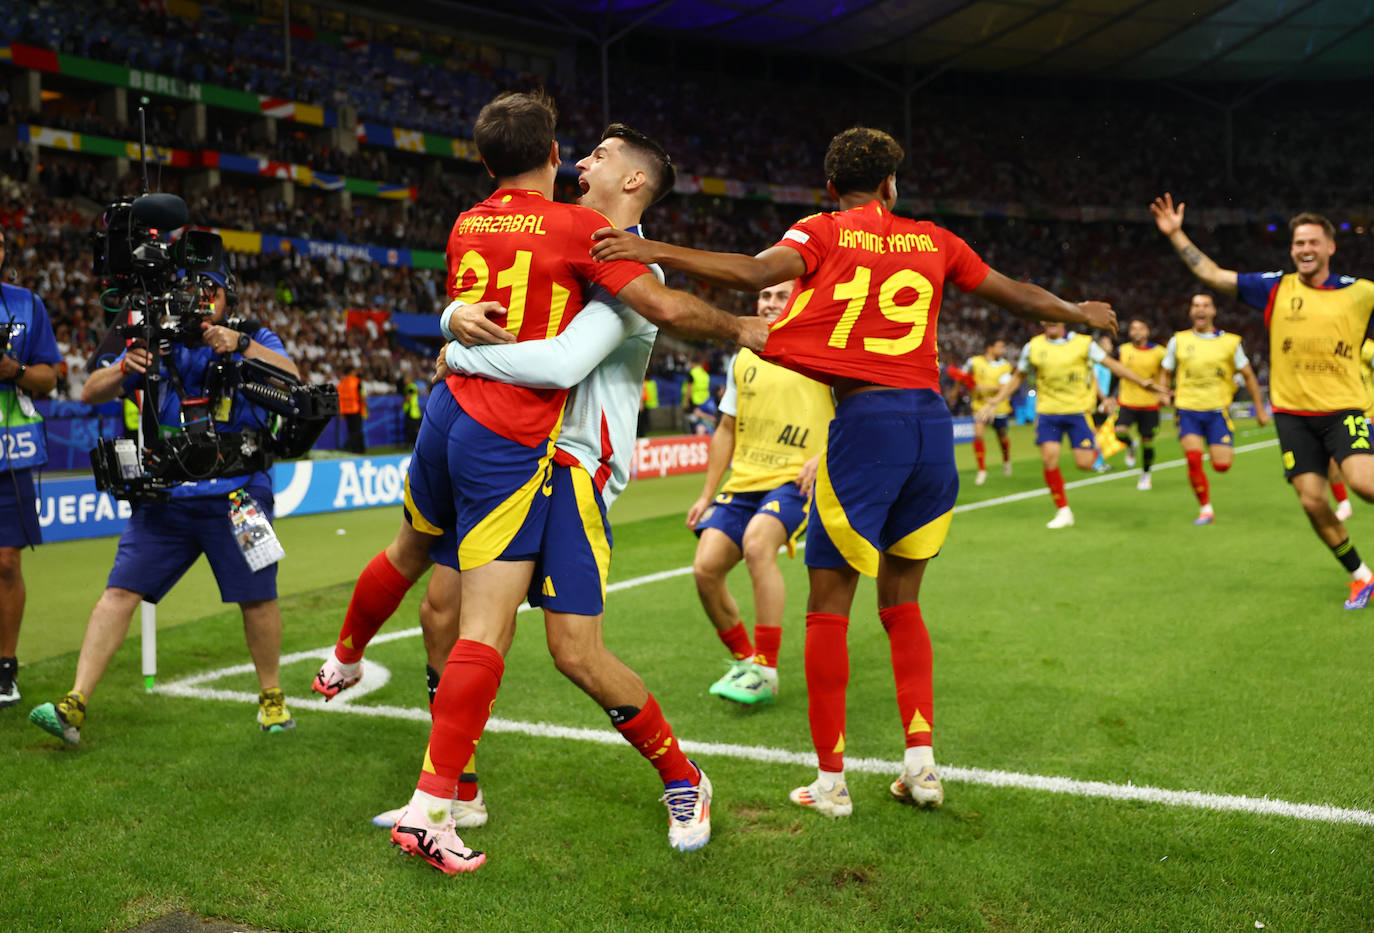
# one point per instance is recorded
(157, 291)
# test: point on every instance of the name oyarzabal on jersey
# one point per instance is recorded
(532, 255)
(853, 257)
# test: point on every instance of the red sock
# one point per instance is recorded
(737, 640)
(1197, 477)
(379, 590)
(467, 785)
(911, 663)
(1006, 449)
(767, 640)
(980, 452)
(650, 733)
(1338, 490)
(461, 708)
(827, 678)
(1055, 480)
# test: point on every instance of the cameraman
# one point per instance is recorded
(164, 538)
(27, 368)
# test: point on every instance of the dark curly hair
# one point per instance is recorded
(514, 132)
(860, 158)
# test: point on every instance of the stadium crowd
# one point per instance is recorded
(1033, 143)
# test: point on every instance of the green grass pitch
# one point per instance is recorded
(1131, 650)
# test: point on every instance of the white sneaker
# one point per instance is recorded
(689, 813)
(922, 790)
(1344, 510)
(1130, 456)
(981, 478)
(1144, 482)
(387, 818)
(1062, 519)
(1006, 468)
(469, 814)
(829, 801)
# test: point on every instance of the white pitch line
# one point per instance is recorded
(1199, 800)
(1094, 480)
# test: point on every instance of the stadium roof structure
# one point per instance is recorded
(1153, 40)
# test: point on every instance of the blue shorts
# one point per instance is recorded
(999, 423)
(576, 557)
(18, 510)
(164, 539)
(1215, 426)
(1050, 429)
(732, 512)
(492, 491)
(887, 481)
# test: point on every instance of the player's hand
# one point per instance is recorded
(8, 366)
(472, 326)
(613, 244)
(696, 511)
(1262, 415)
(984, 415)
(1168, 218)
(806, 479)
(219, 338)
(136, 360)
(1099, 315)
(753, 333)
(441, 370)
(1165, 396)
(1108, 406)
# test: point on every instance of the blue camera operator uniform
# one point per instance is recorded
(164, 538)
(28, 367)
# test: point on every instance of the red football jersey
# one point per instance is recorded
(868, 304)
(534, 256)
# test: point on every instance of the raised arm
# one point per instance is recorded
(730, 270)
(1036, 304)
(1169, 220)
(558, 363)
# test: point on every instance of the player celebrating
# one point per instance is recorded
(1136, 406)
(989, 371)
(863, 319)
(1207, 360)
(1066, 394)
(1317, 321)
(771, 434)
(490, 476)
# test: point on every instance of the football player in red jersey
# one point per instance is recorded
(863, 319)
(491, 479)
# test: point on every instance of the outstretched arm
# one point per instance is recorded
(688, 316)
(1169, 220)
(730, 270)
(1036, 304)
